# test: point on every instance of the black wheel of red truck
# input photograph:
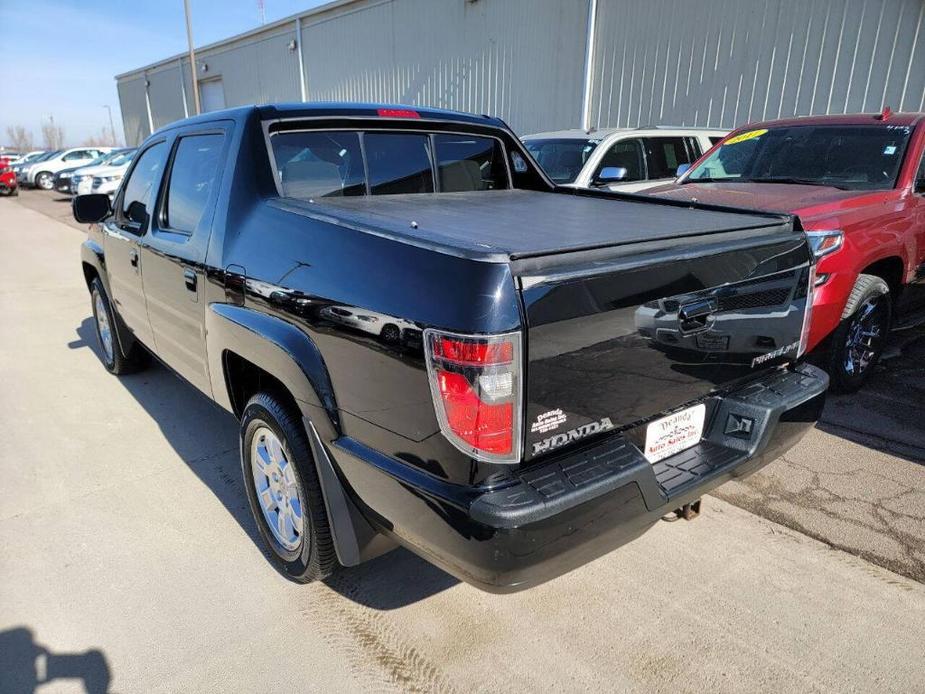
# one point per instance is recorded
(283, 490)
(112, 355)
(858, 341)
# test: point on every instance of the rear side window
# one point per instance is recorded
(398, 163)
(192, 178)
(141, 186)
(319, 164)
(467, 163)
(666, 154)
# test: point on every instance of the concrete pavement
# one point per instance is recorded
(127, 553)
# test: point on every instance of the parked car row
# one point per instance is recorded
(102, 175)
(855, 182)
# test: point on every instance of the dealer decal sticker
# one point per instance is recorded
(750, 135)
(548, 421)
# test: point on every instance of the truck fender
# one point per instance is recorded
(278, 347)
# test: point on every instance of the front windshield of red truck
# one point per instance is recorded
(850, 157)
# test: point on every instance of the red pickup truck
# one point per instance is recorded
(857, 184)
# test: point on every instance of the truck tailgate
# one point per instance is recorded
(619, 336)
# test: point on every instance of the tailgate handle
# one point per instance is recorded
(695, 316)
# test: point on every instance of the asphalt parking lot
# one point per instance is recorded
(129, 558)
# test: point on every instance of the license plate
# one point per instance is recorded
(674, 433)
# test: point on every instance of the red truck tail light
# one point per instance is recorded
(476, 383)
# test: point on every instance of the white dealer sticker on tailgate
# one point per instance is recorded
(674, 433)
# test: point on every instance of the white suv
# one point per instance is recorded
(42, 174)
(624, 159)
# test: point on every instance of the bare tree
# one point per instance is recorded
(52, 134)
(19, 138)
(106, 138)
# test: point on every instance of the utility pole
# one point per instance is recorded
(192, 58)
(112, 128)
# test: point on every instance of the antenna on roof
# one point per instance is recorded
(261, 13)
(885, 113)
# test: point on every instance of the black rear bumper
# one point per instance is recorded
(570, 509)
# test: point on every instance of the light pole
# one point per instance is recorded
(112, 128)
(192, 57)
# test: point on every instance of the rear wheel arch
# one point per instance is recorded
(244, 379)
(247, 347)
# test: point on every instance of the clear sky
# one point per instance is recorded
(60, 56)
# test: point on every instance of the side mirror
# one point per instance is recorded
(682, 169)
(137, 213)
(92, 208)
(611, 174)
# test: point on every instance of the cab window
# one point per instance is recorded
(192, 177)
(315, 164)
(319, 164)
(467, 163)
(398, 163)
(138, 200)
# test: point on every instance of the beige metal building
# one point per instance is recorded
(552, 64)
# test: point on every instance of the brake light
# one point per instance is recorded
(397, 113)
(475, 381)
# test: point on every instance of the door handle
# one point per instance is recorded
(189, 277)
(133, 258)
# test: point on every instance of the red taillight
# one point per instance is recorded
(474, 353)
(397, 113)
(476, 385)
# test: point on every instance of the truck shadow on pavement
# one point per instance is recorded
(206, 438)
(26, 665)
(886, 413)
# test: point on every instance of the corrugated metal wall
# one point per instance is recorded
(723, 63)
(519, 59)
(134, 110)
(713, 62)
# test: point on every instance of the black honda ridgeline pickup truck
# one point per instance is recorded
(428, 343)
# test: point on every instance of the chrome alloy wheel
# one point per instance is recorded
(865, 336)
(103, 329)
(276, 488)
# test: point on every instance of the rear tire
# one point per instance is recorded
(113, 357)
(858, 341)
(283, 490)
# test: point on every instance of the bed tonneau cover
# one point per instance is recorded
(509, 224)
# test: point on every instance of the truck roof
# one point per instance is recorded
(323, 109)
(504, 225)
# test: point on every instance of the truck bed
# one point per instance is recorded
(510, 224)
